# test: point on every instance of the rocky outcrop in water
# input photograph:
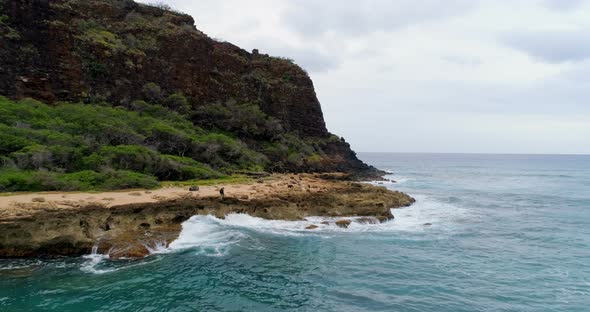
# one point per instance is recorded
(54, 228)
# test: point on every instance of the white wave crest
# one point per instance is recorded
(428, 213)
(99, 263)
(391, 180)
(93, 260)
(211, 236)
(207, 234)
(211, 233)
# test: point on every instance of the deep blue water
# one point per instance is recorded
(508, 233)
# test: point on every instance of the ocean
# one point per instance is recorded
(487, 233)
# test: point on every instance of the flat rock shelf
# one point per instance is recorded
(129, 223)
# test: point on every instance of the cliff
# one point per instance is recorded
(116, 52)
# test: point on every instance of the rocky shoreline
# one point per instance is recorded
(127, 224)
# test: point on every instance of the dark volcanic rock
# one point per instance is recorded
(107, 50)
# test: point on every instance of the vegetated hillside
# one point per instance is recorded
(145, 81)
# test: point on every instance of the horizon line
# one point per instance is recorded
(482, 153)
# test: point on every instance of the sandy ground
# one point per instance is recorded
(24, 204)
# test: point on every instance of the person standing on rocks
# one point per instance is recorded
(222, 193)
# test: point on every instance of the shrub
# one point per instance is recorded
(169, 140)
(77, 144)
(33, 157)
(226, 153)
(12, 140)
(7, 162)
(175, 168)
(152, 92)
(103, 38)
(246, 120)
(161, 113)
(177, 103)
(12, 180)
(125, 157)
(147, 161)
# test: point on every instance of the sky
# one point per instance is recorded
(459, 76)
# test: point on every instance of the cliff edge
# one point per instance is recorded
(122, 54)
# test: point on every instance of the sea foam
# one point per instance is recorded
(92, 262)
(212, 236)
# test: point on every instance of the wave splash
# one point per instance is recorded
(211, 236)
(97, 263)
(93, 260)
(207, 234)
(428, 213)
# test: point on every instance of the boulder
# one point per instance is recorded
(368, 220)
(386, 217)
(312, 227)
(133, 251)
(193, 188)
(343, 223)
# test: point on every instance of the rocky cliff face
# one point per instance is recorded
(116, 51)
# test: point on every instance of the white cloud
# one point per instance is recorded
(314, 18)
(553, 46)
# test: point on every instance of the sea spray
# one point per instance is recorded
(206, 235)
(158, 247)
(209, 232)
(93, 260)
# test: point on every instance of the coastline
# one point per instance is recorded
(129, 223)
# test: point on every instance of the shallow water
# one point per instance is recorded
(508, 233)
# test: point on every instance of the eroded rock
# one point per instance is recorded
(343, 223)
(39, 229)
(368, 220)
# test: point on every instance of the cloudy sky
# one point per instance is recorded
(497, 76)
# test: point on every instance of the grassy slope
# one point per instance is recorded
(94, 147)
(87, 147)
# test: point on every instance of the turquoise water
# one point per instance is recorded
(508, 233)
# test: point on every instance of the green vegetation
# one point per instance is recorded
(13, 180)
(154, 100)
(7, 31)
(163, 6)
(245, 120)
(78, 147)
(84, 147)
(104, 38)
(224, 180)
